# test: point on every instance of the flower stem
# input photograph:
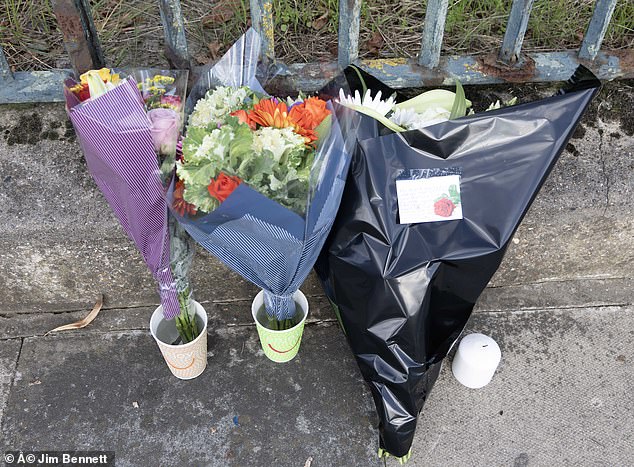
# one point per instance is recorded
(186, 320)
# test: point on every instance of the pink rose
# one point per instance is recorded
(165, 130)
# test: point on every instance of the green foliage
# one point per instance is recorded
(275, 162)
(459, 108)
(454, 196)
(186, 320)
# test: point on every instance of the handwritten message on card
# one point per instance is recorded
(432, 199)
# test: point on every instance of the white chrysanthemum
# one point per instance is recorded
(217, 105)
(409, 119)
(376, 104)
(276, 140)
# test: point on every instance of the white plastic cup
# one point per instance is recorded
(185, 361)
(476, 360)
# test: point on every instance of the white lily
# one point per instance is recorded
(411, 120)
(431, 99)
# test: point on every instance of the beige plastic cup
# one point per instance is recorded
(280, 346)
(186, 361)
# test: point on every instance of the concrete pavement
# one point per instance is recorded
(561, 307)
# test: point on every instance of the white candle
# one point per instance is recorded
(476, 360)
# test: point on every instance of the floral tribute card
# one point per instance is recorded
(428, 195)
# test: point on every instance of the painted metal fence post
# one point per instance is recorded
(433, 32)
(174, 33)
(80, 36)
(81, 41)
(349, 20)
(262, 22)
(515, 30)
(596, 29)
(5, 69)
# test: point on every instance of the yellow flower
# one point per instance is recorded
(160, 79)
(104, 74)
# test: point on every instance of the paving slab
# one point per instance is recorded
(230, 314)
(114, 392)
(562, 396)
(9, 352)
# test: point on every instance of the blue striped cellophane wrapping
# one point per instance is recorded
(266, 243)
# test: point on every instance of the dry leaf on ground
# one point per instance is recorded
(82, 323)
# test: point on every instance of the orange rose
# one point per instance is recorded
(317, 109)
(307, 116)
(223, 186)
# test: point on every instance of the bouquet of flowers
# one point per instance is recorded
(424, 225)
(235, 135)
(127, 128)
(260, 178)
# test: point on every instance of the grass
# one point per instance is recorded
(306, 30)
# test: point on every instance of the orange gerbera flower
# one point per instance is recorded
(302, 118)
(310, 113)
(271, 112)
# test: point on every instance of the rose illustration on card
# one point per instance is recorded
(427, 195)
(445, 205)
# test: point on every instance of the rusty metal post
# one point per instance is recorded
(80, 36)
(515, 30)
(174, 31)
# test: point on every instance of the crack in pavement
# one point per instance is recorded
(13, 314)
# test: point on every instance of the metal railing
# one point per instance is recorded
(429, 69)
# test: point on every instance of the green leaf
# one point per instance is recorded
(459, 108)
(323, 129)
(429, 99)
(194, 138)
(363, 85)
(200, 197)
(240, 148)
